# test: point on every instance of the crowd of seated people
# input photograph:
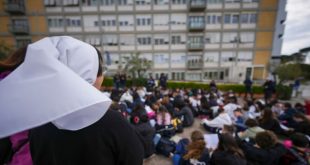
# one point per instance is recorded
(248, 130)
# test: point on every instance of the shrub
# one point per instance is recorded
(238, 88)
(284, 92)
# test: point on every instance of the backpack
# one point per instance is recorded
(165, 147)
(177, 124)
(166, 131)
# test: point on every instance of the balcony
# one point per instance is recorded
(195, 46)
(196, 26)
(195, 64)
(19, 29)
(15, 7)
(197, 5)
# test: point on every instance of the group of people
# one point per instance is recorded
(53, 113)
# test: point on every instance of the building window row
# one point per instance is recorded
(60, 22)
(137, 2)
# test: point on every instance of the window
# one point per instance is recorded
(232, 1)
(228, 56)
(161, 59)
(89, 2)
(251, 1)
(214, 19)
(55, 22)
(247, 37)
(179, 1)
(212, 38)
(231, 18)
(73, 22)
(127, 39)
(245, 56)
(214, 1)
(175, 40)
(161, 2)
(230, 37)
(144, 40)
(248, 18)
(196, 21)
(53, 2)
(22, 42)
(122, 2)
(93, 40)
(159, 41)
(110, 40)
(107, 2)
(178, 59)
(143, 2)
(211, 57)
(144, 21)
(196, 40)
(108, 23)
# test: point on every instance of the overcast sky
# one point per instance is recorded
(297, 30)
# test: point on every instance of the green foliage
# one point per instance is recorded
(305, 68)
(284, 92)
(107, 82)
(223, 87)
(136, 65)
(288, 72)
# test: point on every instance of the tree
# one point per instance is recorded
(136, 65)
(5, 50)
(288, 72)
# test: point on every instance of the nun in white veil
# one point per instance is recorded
(66, 115)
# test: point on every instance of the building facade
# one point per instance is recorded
(195, 40)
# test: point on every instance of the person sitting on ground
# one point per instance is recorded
(299, 153)
(287, 116)
(302, 123)
(184, 113)
(269, 122)
(251, 131)
(166, 102)
(218, 122)
(163, 117)
(196, 153)
(227, 152)
(266, 151)
(141, 124)
(300, 108)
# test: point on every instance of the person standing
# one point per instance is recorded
(123, 79)
(248, 87)
(163, 81)
(116, 80)
(150, 83)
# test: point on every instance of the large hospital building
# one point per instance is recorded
(196, 40)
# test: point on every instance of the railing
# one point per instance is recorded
(19, 29)
(194, 65)
(196, 25)
(197, 4)
(15, 8)
(195, 46)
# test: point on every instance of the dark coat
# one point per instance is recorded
(111, 140)
(147, 133)
(225, 158)
(258, 156)
(187, 114)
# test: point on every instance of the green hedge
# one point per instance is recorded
(284, 92)
(108, 82)
(223, 87)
